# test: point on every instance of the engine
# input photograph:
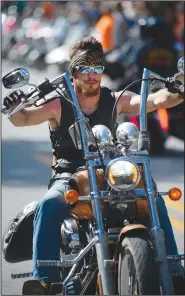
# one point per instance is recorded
(73, 237)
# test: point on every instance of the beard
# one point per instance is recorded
(90, 92)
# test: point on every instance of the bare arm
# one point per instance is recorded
(37, 115)
(130, 102)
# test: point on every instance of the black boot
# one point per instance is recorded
(179, 284)
(34, 287)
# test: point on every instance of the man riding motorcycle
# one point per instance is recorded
(96, 102)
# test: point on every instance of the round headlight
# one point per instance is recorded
(122, 174)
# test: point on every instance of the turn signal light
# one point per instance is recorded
(71, 196)
(175, 193)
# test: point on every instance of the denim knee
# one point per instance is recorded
(51, 206)
(50, 213)
(53, 203)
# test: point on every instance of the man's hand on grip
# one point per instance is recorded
(13, 98)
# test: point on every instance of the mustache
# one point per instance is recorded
(91, 80)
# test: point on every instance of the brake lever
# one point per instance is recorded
(18, 108)
(24, 103)
(43, 89)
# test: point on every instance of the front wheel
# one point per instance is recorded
(137, 274)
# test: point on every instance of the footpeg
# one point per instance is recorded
(35, 287)
(179, 284)
(21, 275)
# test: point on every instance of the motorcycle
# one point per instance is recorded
(100, 257)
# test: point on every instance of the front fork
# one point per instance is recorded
(157, 236)
(102, 251)
(103, 258)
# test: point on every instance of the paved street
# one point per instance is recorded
(26, 160)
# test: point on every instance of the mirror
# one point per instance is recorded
(16, 78)
(180, 65)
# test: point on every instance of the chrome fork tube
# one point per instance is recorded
(157, 233)
(157, 236)
(102, 251)
(79, 114)
(143, 102)
(104, 262)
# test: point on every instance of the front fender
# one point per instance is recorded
(123, 233)
(129, 228)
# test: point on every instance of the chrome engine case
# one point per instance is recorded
(70, 236)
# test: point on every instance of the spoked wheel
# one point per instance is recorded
(137, 273)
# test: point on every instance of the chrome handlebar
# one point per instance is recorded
(40, 92)
(47, 87)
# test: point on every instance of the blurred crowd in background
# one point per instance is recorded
(134, 35)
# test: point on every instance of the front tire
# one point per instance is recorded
(137, 274)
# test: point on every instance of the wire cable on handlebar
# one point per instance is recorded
(126, 88)
(101, 158)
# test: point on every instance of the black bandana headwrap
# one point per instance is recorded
(87, 58)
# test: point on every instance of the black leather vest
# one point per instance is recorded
(67, 155)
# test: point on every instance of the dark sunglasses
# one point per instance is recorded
(87, 69)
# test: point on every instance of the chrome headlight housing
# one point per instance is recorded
(122, 174)
(180, 65)
(102, 134)
(180, 77)
(127, 133)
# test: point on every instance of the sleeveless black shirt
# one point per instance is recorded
(64, 150)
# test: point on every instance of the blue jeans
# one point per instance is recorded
(50, 214)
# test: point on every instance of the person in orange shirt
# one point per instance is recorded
(104, 29)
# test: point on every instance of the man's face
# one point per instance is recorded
(87, 84)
